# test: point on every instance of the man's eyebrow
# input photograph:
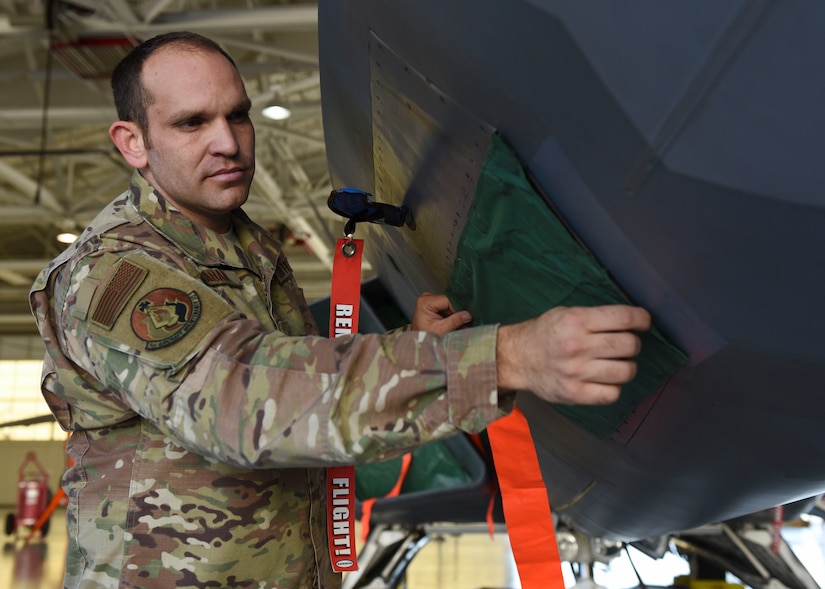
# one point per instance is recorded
(244, 106)
(184, 114)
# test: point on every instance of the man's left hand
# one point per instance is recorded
(434, 313)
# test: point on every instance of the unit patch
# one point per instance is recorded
(164, 316)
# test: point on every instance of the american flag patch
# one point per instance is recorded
(117, 291)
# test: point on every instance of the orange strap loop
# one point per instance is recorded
(525, 502)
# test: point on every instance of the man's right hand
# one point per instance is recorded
(574, 355)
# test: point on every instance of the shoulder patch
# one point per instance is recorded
(118, 289)
(163, 316)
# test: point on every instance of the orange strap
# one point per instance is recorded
(525, 502)
(366, 506)
(493, 489)
(344, 305)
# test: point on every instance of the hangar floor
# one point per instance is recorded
(451, 561)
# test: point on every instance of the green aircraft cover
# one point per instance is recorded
(516, 259)
(433, 466)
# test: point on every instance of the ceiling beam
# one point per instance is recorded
(15, 216)
(153, 11)
(61, 117)
(14, 278)
(270, 49)
(32, 118)
(17, 323)
(32, 267)
(285, 17)
(123, 12)
(27, 186)
(297, 224)
(294, 17)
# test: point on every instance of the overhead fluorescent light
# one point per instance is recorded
(276, 113)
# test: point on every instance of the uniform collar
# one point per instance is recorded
(208, 247)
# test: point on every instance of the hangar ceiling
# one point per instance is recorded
(57, 164)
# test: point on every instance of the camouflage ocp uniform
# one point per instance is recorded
(203, 410)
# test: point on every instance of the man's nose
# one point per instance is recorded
(223, 140)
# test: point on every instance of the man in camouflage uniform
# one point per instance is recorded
(181, 355)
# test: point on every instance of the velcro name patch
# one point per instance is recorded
(218, 277)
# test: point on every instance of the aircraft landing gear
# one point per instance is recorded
(385, 557)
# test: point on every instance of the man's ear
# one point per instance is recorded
(129, 140)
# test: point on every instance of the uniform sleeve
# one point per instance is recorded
(221, 385)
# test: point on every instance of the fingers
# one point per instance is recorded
(592, 393)
(607, 372)
(613, 318)
(572, 355)
(434, 313)
(594, 381)
(623, 344)
(599, 383)
(599, 332)
(435, 303)
(451, 323)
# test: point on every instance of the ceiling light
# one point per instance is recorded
(276, 113)
(66, 237)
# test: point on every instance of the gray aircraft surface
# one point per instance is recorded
(680, 147)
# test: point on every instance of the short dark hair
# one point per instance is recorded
(131, 98)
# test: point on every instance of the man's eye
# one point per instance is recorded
(190, 123)
(239, 117)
